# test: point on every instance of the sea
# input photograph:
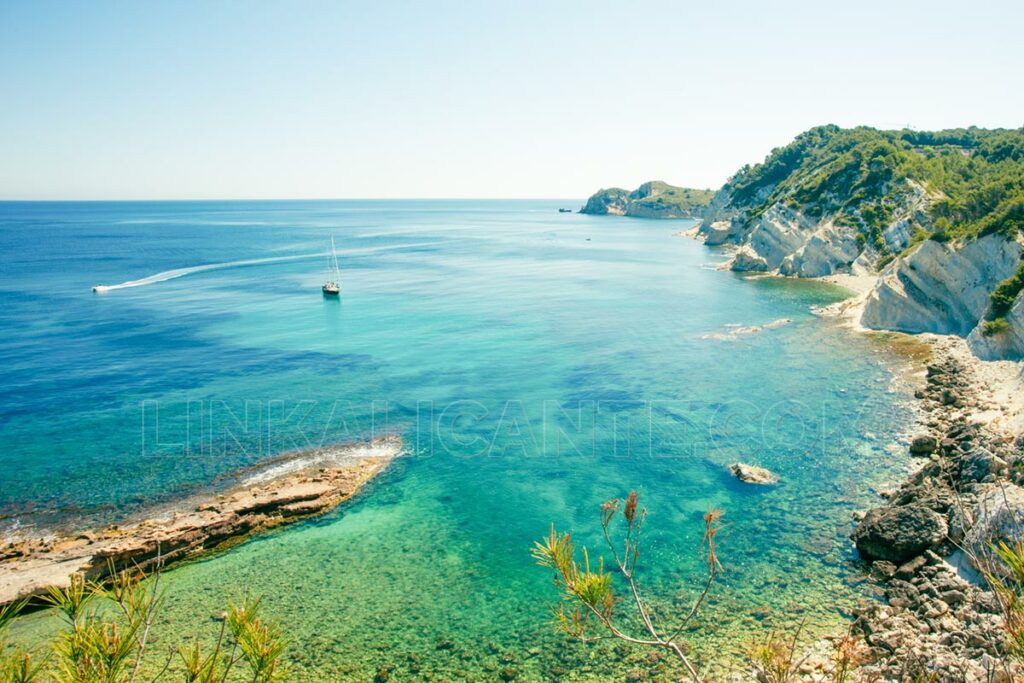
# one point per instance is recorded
(535, 363)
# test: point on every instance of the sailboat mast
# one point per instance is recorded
(334, 261)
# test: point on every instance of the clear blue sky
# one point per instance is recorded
(469, 99)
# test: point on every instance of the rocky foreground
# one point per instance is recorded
(300, 485)
(930, 544)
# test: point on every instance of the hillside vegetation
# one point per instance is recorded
(973, 180)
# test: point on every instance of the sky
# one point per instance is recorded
(336, 99)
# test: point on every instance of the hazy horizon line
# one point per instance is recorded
(7, 200)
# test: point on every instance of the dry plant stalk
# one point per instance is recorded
(1002, 567)
(588, 593)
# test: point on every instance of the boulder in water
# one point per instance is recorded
(751, 474)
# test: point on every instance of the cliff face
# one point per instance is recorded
(790, 238)
(941, 287)
(1008, 344)
(940, 214)
(653, 199)
(610, 202)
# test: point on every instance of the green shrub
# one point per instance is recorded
(589, 607)
(994, 327)
(105, 638)
(1005, 294)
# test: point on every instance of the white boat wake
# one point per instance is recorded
(182, 272)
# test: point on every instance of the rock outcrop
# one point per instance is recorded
(791, 239)
(752, 474)
(899, 533)
(924, 444)
(1005, 344)
(653, 199)
(997, 516)
(935, 625)
(941, 287)
(29, 567)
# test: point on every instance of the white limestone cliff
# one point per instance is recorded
(1008, 344)
(940, 287)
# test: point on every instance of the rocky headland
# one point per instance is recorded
(935, 218)
(293, 487)
(653, 199)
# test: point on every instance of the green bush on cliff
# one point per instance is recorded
(1002, 298)
(995, 326)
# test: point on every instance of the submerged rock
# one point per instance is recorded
(751, 474)
(898, 534)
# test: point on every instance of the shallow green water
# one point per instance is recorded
(536, 364)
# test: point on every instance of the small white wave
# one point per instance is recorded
(736, 330)
(329, 456)
(776, 323)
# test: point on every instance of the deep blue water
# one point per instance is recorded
(536, 363)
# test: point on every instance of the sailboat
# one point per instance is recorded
(333, 285)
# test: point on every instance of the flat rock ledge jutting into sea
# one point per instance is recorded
(298, 486)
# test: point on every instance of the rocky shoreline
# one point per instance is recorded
(296, 487)
(928, 545)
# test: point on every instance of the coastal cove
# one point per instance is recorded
(534, 364)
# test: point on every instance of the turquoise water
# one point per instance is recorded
(536, 363)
